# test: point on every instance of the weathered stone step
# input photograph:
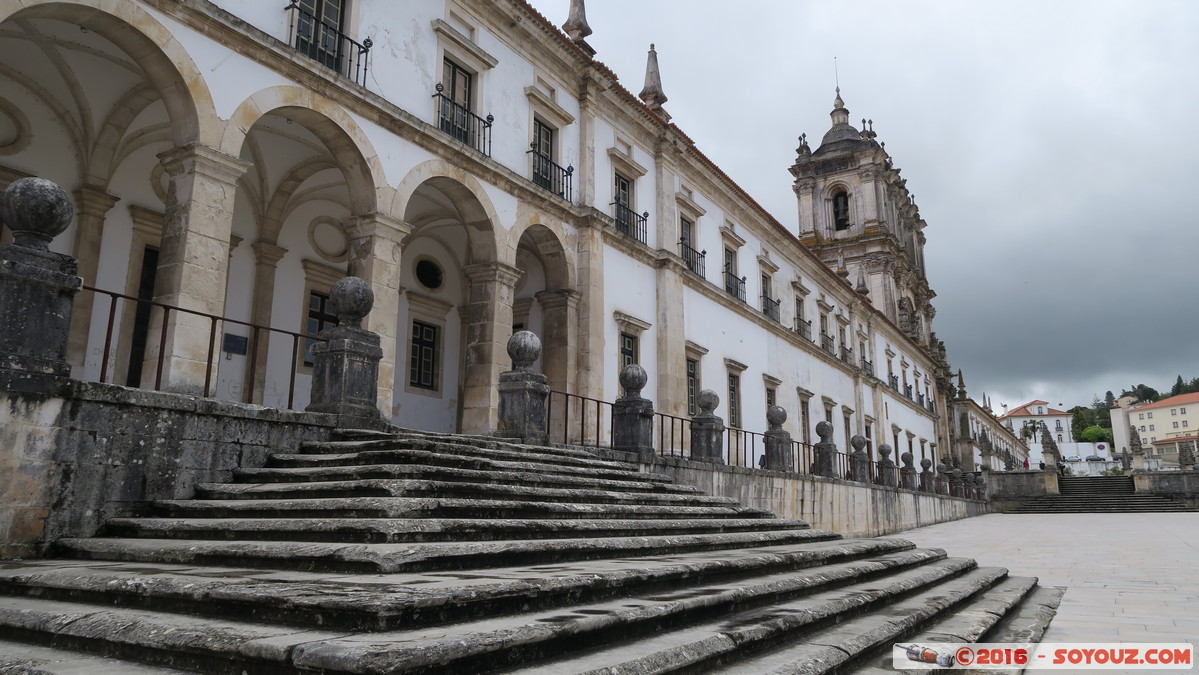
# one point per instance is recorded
(393, 601)
(702, 646)
(414, 557)
(848, 644)
(494, 475)
(484, 463)
(406, 507)
(18, 658)
(394, 530)
(448, 489)
(496, 450)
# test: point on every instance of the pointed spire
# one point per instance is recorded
(576, 24)
(840, 113)
(652, 93)
(961, 386)
(862, 288)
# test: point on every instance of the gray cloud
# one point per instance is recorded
(1050, 147)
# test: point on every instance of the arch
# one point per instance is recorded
(330, 123)
(465, 195)
(164, 62)
(547, 244)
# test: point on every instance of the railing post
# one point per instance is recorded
(942, 480)
(859, 461)
(927, 479)
(345, 371)
(826, 451)
(886, 466)
(37, 286)
(707, 429)
(907, 473)
(780, 455)
(524, 392)
(955, 483)
(633, 416)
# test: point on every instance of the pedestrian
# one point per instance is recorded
(1042, 466)
(1025, 463)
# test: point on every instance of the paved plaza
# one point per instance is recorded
(1130, 577)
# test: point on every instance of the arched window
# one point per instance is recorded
(841, 210)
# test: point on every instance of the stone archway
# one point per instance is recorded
(548, 298)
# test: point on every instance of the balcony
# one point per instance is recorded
(828, 343)
(693, 259)
(734, 286)
(847, 355)
(907, 391)
(893, 382)
(770, 307)
(630, 222)
(456, 120)
(549, 175)
(867, 367)
(804, 328)
(326, 44)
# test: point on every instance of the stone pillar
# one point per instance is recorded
(488, 325)
(193, 262)
(907, 473)
(375, 254)
(707, 430)
(592, 318)
(524, 393)
(672, 386)
(859, 461)
(92, 204)
(927, 479)
(345, 366)
(825, 451)
(1186, 455)
(633, 416)
(37, 286)
(942, 480)
(955, 483)
(780, 453)
(266, 261)
(560, 322)
(886, 467)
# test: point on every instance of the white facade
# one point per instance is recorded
(213, 156)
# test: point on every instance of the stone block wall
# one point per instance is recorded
(73, 454)
(1182, 486)
(1009, 489)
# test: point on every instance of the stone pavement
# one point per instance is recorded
(1130, 577)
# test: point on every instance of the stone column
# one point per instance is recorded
(266, 262)
(1186, 455)
(37, 286)
(672, 386)
(707, 429)
(375, 254)
(193, 262)
(780, 453)
(825, 451)
(92, 204)
(592, 319)
(942, 480)
(955, 483)
(345, 366)
(859, 460)
(523, 392)
(886, 467)
(907, 472)
(488, 326)
(927, 480)
(633, 416)
(560, 322)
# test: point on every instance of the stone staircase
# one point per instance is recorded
(422, 553)
(1099, 494)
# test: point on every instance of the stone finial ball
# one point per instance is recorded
(926, 463)
(707, 401)
(884, 451)
(857, 442)
(351, 299)
(957, 474)
(825, 431)
(633, 379)
(775, 416)
(36, 210)
(906, 458)
(524, 347)
(941, 467)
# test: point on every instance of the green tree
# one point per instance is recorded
(1083, 418)
(1109, 401)
(1095, 434)
(1178, 388)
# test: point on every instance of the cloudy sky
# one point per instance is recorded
(1051, 147)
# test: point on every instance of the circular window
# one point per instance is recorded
(428, 274)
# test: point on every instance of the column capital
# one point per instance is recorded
(93, 200)
(203, 159)
(378, 225)
(558, 298)
(493, 271)
(266, 253)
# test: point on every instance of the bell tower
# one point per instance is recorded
(856, 213)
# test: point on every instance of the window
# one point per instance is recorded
(733, 285)
(771, 397)
(622, 192)
(692, 258)
(1182, 411)
(841, 210)
(1040, 410)
(805, 420)
(770, 306)
(1185, 424)
(320, 317)
(869, 438)
(1142, 428)
(543, 155)
(628, 349)
(1173, 411)
(1150, 415)
(1176, 425)
(1059, 438)
(1141, 416)
(318, 31)
(1151, 428)
(692, 386)
(422, 366)
(459, 94)
(735, 400)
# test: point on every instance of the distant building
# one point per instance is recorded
(1025, 421)
(1159, 424)
(983, 441)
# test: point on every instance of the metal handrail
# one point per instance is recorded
(733, 285)
(630, 222)
(327, 45)
(693, 259)
(770, 307)
(458, 121)
(550, 175)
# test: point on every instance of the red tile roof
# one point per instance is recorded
(1181, 399)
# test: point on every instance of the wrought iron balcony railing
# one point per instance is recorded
(893, 382)
(458, 121)
(630, 222)
(693, 259)
(770, 307)
(734, 286)
(868, 367)
(827, 343)
(326, 44)
(804, 328)
(549, 175)
(847, 355)
(907, 391)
